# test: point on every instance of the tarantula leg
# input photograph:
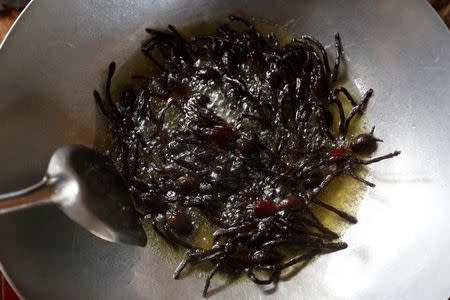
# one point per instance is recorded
(352, 173)
(99, 102)
(158, 33)
(338, 45)
(324, 183)
(211, 274)
(342, 121)
(358, 109)
(243, 235)
(191, 258)
(157, 38)
(323, 162)
(293, 229)
(176, 32)
(230, 230)
(324, 54)
(346, 93)
(113, 112)
(376, 159)
(155, 62)
(264, 228)
(111, 71)
(180, 268)
(315, 222)
(333, 209)
(321, 228)
(316, 243)
(251, 275)
(196, 256)
(298, 259)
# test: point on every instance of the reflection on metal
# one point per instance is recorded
(86, 186)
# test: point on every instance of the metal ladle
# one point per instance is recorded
(86, 186)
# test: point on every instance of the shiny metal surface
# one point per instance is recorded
(86, 186)
(58, 53)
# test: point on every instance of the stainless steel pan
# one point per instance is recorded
(58, 53)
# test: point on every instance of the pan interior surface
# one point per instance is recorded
(58, 53)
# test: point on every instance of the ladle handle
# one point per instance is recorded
(40, 193)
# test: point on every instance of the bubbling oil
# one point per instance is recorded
(344, 193)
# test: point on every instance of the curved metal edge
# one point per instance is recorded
(11, 284)
(2, 268)
(19, 18)
(2, 44)
(25, 190)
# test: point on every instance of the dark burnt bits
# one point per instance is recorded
(237, 127)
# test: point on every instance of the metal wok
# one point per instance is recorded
(58, 53)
